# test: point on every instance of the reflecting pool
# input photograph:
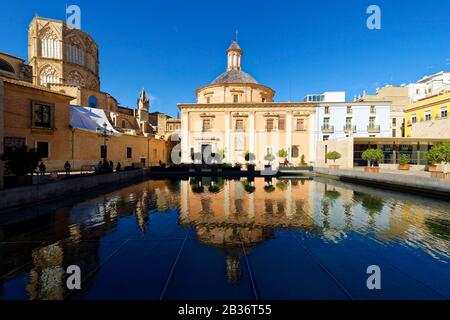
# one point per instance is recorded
(229, 239)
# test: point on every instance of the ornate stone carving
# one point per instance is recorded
(74, 78)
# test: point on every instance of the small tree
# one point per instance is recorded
(404, 159)
(302, 160)
(282, 153)
(269, 157)
(439, 153)
(21, 161)
(372, 155)
(333, 155)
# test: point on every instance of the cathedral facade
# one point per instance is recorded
(236, 116)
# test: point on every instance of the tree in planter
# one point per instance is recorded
(269, 157)
(404, 161)
(372, 155)
(282, 153)
(333, 155)
(433, 156)
(248, 156)
(302, 160)
(21, 161)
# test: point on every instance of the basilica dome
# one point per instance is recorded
(235, 76)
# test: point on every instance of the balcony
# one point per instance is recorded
(328, 129)
(373, 129)
(349, 129)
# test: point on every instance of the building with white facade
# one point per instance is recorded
(429, 86)
(338, 96)
(336, 120)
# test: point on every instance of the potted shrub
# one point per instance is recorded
(334, 155)
(22, 163)
(302, 160)
(269, 157)
(372, 156)
(282, 154)
(249, 158)
(404, 162)
(434, 158)
(442, 154)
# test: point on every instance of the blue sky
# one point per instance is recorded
(296, 47)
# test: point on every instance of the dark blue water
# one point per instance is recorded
(232, 239)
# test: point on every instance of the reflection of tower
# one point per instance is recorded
(233, 268)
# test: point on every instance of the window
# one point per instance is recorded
(281, 124)
(349, 109)
(394, 122)
(294, 152)
(413, 118)
(93, 103)
(263, 100)
(124, 124)
(129, 153)
(42, 149)
(208, 99)
(5, 66)
(427, 115)
(444, 113)
(42, 115)
(327, 110)
(206, 125)
(372, 109)
(13, 143)
(326, 138)
(348, 122)
(326, 123)
(269, 150)
(371, 122)
(235, 98)
(239, 124)
(269, 125)
(300, 125)
(394, 133)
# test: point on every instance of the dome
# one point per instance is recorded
(235, 76)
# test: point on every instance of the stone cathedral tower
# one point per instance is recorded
(62, 55)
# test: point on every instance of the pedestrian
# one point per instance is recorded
(111, 164)
(286, 162)
(67, 168)
(119, 166)
(42, 168)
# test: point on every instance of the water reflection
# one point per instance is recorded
(232, 216)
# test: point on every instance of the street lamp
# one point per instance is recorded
(105, 133)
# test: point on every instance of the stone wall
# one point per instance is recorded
(343, 146)
(431, 129)
(15, 197)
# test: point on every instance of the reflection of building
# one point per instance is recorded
(235, 114)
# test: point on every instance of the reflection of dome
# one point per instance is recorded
(235, 76)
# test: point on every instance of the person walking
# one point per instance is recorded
(119, 166)
(67, 168)
(42, 168)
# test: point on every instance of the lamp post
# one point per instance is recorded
(105, 133)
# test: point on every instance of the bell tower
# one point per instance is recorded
(234, 55)
(143, 105)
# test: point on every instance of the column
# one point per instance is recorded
(228, 152)
(185, 152)
(289, 134)
(251, 135)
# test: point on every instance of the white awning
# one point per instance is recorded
(90, 119)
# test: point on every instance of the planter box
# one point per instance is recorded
(334, 166)
(368, 169)
(440, 175)
(403, 166)
(432, 168)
